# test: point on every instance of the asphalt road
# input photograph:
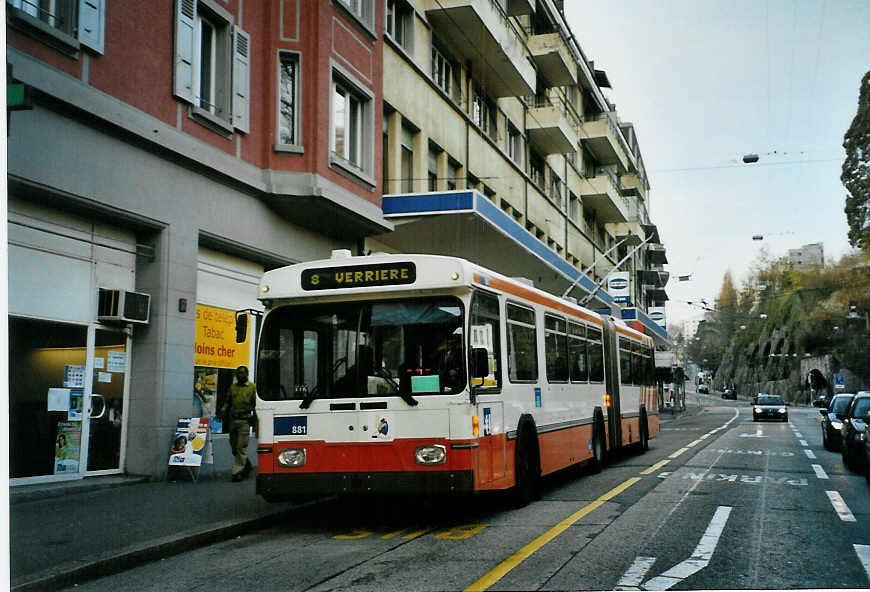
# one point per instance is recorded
(718, 502)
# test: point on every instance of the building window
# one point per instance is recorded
(574, 207)
(536, 169)
(556, 189)
(288, 98)
(407, 160)
(361, 9)
(442, 71)
(68, 20)
(515, 144)
(433, 170)
(400, 23)
(452, 175)
(212, 64)
(484, 113)
(351, 132)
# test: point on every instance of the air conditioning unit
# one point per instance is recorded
(121, 306)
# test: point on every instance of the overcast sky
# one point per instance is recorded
(706, 82)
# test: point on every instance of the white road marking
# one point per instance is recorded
(863, 552)
(809, 453)
(700, 556)
(798, 434)
(840, 507)
(634, 575)
(803, 443)
(820, 472)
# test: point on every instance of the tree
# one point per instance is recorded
(726, 306)
(856, 170)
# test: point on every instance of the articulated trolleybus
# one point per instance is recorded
(430, 374)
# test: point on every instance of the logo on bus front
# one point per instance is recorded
(359, 276)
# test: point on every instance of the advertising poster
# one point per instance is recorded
(216, 345)
(188, 443)
(67, 445)
(215, 349)
(76, 396)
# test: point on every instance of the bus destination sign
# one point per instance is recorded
(359, 276)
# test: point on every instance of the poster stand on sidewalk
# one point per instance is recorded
(188, 446)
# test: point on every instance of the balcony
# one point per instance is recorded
(601, 193)
(552, 126)
(480, 31)
(656, 254)
(553, 58)
(602, 136)
(632, 186)
(520, 7)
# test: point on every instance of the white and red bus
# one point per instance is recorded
(430, 374)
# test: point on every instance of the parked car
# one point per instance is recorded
(854, 432)
(769, 407)
(704, 388)
(832, 420)
(729, 393)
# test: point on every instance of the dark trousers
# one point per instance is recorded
(240, 434)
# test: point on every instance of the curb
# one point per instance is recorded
(105, 564)
(66, 488)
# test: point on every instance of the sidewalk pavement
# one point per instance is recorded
(62, 533)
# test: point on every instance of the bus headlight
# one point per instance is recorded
(292, 457)
(434, 454)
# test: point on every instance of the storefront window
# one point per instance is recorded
(47, 363)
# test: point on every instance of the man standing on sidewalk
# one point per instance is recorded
(239, 411)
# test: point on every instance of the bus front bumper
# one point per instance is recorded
(299, 485)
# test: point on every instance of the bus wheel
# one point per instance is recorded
(644, 432)
(527, 468)
(597, 462)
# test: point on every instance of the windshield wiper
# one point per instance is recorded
(407, 398)
(309, 398)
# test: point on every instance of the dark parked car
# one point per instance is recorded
(769, 407)
(832, 420)
(729, 393)
(854, 432)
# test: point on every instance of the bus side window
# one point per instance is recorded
(595, 352)
(579, 367)
(485, 322)
(522, 336)
(556, 348)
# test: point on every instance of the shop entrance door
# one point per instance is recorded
(108, 402)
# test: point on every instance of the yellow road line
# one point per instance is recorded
(678, 453)
(503, 568)
(655, 467)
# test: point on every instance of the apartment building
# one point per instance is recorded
(500, 146)
(807, 256)
(175, 150)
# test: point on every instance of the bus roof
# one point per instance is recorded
(383, 273)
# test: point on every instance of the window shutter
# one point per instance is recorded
(241, 80)
(92, 24)
(185, 24)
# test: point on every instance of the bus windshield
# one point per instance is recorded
(362, 349)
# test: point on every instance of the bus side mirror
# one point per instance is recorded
(241, 327)
(479, 362)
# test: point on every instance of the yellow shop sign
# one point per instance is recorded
(216, 345)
